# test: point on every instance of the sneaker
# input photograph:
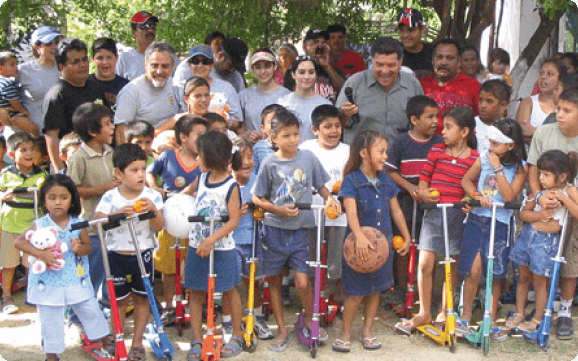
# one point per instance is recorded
(565, 328)
(168, 317)
(261, 328)
(462, 328)
(286, 296)
(227, 330)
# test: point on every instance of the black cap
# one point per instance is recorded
(316, 33)
(237, 51)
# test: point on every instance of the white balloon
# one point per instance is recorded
(176, 211)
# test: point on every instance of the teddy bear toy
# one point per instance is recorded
(46, 238)
(219, 105)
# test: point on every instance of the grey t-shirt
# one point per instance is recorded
(288, 182)
(140, 100)
(253, 101)
(549, 137)
(235, 79)
(130, 64)
(303, 107)
(36, 81)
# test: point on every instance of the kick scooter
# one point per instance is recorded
(155, 335)
(542, 335)
(94, 348)
(407, 309)
(251, 341)
(182, 318)
(211, 350)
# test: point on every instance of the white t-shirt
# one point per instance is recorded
(36, 81)
(333, 161)
(140, 100)
(130, 64)
(482, 136)
(119, 239)
(303, 107)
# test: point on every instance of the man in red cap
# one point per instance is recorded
(417, 55)
(131, 63)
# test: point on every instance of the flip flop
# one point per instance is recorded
(341, 346)
(9, 306)
(407, 326)
(280, 345)
(371, 343)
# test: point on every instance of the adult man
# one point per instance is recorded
(72, 89)
(447, 85)
(150, 97)
(348, 61)
(229, 63)
(380, 93)
(417, 55)
(131, 63)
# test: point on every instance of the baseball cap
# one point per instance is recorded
(44, 34)
(262, 55)
(410, 17)
(315, 33)
(142, 16)
(201, 49)
(237, 51)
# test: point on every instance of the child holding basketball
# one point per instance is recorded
(500, 175)
(369, 197)
(440, 182)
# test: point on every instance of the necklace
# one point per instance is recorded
(454, 161)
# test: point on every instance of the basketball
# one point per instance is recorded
(376, 257)
(176, 211)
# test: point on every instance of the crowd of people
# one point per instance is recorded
(419, 122)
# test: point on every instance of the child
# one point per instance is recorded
(130, 170)
(538, 242)
(16, 216)
(409, 154)
(501, 178)
(368, 196)
(446, 164)
(217, 195)
(217, 123)
(177, 169)
(244, 233)
(164, 141)
(140, 133)
(492, 102)
(4, 158)
(264, 148)
(332, 154)
(54, 290)
(498, 66)
(285, 178)
(42, 159)
(92, 171)
(68, 145)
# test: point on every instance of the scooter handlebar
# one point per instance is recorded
(194, 219)
(112, 219)
(471, 203)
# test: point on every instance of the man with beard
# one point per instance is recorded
(150, 97)
(131, 63)
(447, 85)
(229, 63)
(72, 89)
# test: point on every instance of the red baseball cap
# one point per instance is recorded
(142, 16)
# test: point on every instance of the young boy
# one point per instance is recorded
(333, 155)
(130, 170)
(264, 148)
(286, 178)
(408, 154)
(492, 102)
(91, 169)
(68, 145)
(141, 133)
(16, 214)
(177, 169)
(562, 135)
(219, 124)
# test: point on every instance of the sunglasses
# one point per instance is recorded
(205, 61)
(147, 26)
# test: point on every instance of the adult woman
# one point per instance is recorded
(287, 55)
(470, 64)
(38, 76)
(534, 109)
(303, 100)
(265, 92)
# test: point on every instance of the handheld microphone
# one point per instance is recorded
(354, 119)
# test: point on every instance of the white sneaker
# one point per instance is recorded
(261, 329)
(227, 330)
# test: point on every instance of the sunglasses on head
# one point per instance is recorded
(205, 61)
(147, 26)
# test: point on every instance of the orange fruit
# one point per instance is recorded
(397, 242)
(258, 213)
(336, 187)
(138, 206)
(331, 212)
(434, 193)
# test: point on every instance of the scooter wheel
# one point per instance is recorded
(486, 345)
(314, 346)
(253, 346)
(168, 358)
(453, 343)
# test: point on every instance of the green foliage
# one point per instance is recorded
(554, 6)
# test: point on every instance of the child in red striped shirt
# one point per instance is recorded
(446, 165)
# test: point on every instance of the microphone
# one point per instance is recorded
(354, 119)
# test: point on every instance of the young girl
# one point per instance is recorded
(243, 234)
(538, 242)
(440, 182)
(197, 96)
(501, 177)
(217, 195)
(369, 196)
(53, 291)
(499, 66)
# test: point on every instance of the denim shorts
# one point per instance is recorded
(285, 247)
(432, 231)
(226, 268)
(244, 252)
(477, 240)
(535, 249)
(126, 273)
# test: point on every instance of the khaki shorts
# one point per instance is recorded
(10, 257)
(164, 256)
(570, 268)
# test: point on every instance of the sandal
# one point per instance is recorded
(513, 321)
(528, 326)
(232, 348)
(407, 326)
(195, 351)
(137, 354)
(462, 327)
(497, 334)
(9, 306)
(280, 344)
(371, 343)
(341, 346)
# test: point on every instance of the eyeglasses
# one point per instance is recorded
(147, 26)
(205, 61)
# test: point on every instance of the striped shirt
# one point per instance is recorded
(440, 173)
(8, 92)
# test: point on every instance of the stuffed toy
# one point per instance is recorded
(219, 105)
(46, 238)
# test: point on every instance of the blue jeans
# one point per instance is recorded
(96, 269)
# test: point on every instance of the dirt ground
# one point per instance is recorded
(20, 340)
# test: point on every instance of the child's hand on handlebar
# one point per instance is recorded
(427, 197)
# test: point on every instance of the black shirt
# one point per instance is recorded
(419, 61)
(111, 88)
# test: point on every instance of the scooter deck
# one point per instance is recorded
(439, 336)
(95, 349)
